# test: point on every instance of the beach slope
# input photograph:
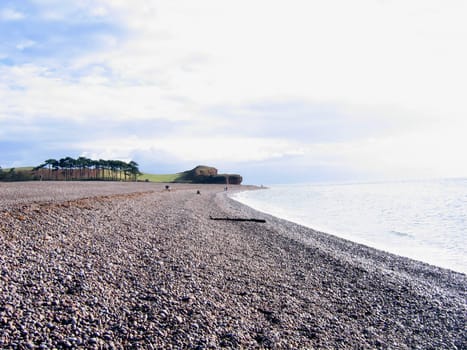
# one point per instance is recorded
(114, 265)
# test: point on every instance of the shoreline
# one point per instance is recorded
(435, 255)
(306, 236)
(137, 266)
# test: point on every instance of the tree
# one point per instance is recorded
(81, 164)
(48, 163)
(80, 169)
(134, 170)
(95, 165)
(113, 166)
(84, 165)
(103, 165)
(62, 163)
(39, 167)
(51, 163)
(67, 164)
(88, 165)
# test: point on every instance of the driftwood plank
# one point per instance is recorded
(238, 219)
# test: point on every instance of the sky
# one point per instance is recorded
(278, 91)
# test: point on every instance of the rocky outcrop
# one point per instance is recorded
(234, 179)
(209, 175)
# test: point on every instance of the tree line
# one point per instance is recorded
(84, 168)
(13, 175)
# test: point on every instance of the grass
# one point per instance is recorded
(159, 177)
(23, 168)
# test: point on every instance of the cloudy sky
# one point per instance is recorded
(280, 91)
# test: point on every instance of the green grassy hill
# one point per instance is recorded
(199, 174)
(160, 177)
(22, 168)
(185, 176)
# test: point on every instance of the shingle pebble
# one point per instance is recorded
(130, 265)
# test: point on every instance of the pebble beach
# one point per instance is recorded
(102, 265)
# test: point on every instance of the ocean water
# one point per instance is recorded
(422, 220)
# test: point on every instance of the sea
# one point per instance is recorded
(423, 220)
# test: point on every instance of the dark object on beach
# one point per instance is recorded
(238, 219)
(198, 192)
(167, 187)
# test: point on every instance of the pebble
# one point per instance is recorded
(130, 265)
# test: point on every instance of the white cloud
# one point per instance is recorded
(11, 15)
(25, 44)
(364, 52)
(397, 60)
(435, 151)
(93, 96)
(409, 56)
(99, 11)
(196, 149)
(57, 10)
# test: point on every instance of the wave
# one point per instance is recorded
(401, 234)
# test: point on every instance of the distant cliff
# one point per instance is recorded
(209, 175)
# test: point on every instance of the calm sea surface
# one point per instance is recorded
(423, 220)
